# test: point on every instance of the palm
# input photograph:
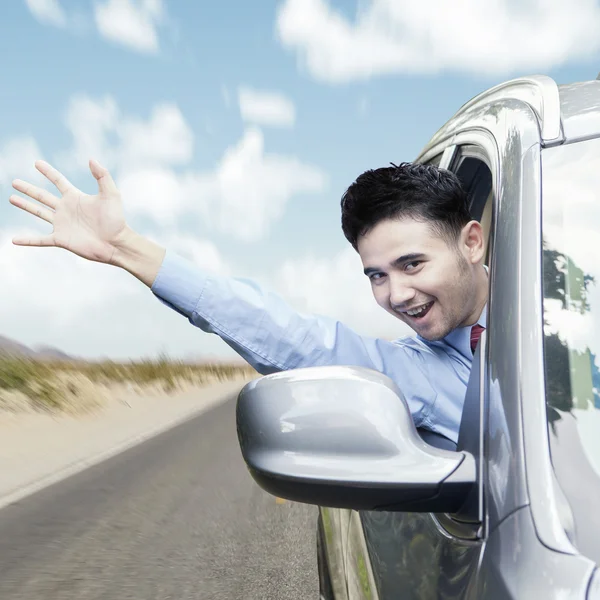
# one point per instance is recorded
(86, 225)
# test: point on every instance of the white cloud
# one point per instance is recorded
(248, 191)
(401, 36)
(266, 108)
(49, 12)
(68, 283)
(132, 23)
(203, 253)
(160, 194)
(243, 196)
(90, 123)
(336, 287)
(94, 310)
(17, 158)
(166, 139)
(101, 131)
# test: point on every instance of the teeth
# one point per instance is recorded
(417, 311)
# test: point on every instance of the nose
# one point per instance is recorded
(401, 295)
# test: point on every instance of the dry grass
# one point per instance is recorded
(30, 385)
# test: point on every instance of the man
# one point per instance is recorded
(420, 249)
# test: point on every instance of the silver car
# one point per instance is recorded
(513, 509)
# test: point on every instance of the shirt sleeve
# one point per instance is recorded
(260, 326)
(271, 336)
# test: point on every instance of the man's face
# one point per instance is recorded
(421, 278)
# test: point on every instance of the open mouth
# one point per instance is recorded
(420, 312)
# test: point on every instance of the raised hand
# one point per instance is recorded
(90, 226)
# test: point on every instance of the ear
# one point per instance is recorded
(472, 242)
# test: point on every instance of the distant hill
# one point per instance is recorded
(48, 352)
(11, 347)
(8, 346)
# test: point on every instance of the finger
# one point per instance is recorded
(41, 241)
(57, 178)
(34, 209)
(106, 184)
(39, 194)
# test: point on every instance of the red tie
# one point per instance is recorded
(475, 335)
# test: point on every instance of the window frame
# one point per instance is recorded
(463, 526)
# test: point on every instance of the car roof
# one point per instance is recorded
(580, 109)
(565, 113)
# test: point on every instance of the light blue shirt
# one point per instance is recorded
(272, 337)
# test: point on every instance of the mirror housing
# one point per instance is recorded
(343, 437)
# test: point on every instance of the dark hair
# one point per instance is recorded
(423, 192)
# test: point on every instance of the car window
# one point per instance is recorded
(571, 318)
(476, 178)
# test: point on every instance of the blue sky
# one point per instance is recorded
(232, 129)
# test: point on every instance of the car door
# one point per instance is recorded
(534, 548)
(416, 555)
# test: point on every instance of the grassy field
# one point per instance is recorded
(69, 386)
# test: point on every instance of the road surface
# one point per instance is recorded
(176, 517)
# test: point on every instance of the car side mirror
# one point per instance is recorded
(343, 437)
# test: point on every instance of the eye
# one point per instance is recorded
(376, 276)
(411, 266)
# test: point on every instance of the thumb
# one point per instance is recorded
(106, 184)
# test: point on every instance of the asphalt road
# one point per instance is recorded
(176, 517)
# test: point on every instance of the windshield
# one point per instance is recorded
(571, 272)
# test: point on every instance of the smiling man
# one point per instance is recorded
(420, 249)
(419, 246)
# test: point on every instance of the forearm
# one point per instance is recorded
(139, 256)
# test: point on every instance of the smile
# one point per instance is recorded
(420, 311)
